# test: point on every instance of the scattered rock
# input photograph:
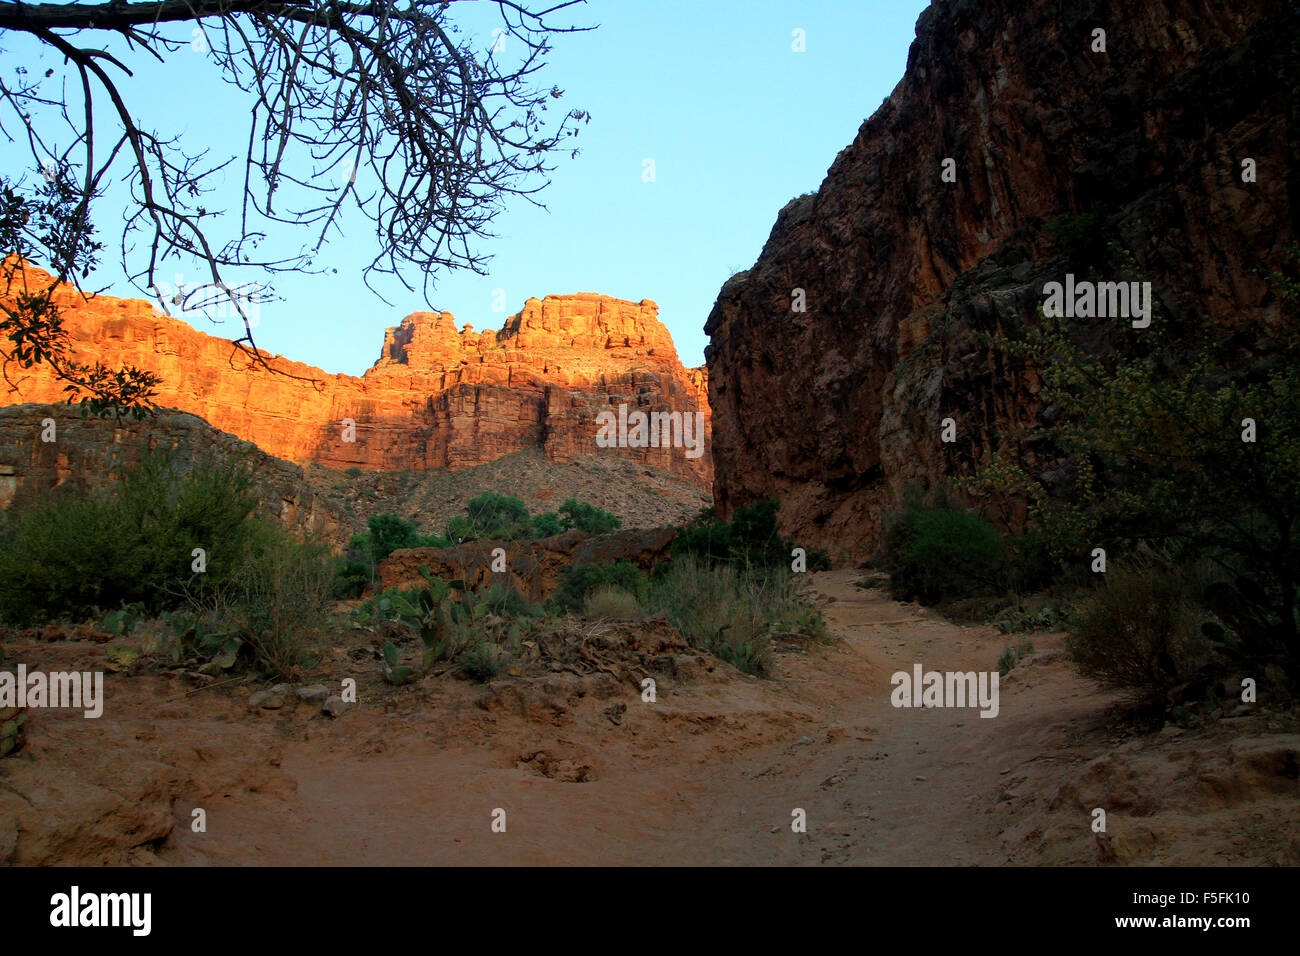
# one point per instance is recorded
(313, 694)
(266, 700)
(333, 706)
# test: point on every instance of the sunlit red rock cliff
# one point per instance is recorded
(440, 395)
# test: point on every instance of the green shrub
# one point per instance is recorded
(1012, 655)
(388, 532)
(351, 578)
(130, 543)
(278, 603)
(589, 518)
(730, 611)
(353, 472)
(819, 559)
(613, 603)
(939, 552)
(484, 661)
(582, 579)
(1080, 237)
(547, 525)
(491, 516)
(1018, 618)
(749, 539)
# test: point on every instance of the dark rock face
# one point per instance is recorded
(834, 410)
(87, 454)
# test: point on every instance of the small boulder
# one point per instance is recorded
(266, 700)
(333, 706)
(313, 694)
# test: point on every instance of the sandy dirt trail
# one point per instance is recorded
(709, 773)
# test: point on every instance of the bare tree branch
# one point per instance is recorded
(376, 107)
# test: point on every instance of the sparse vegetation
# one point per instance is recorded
(1142, 627)
(749, 539)
(612, 602)
(1012, 655)
(484, 661)
(126, 554)
(733, 613)
(454, 624)
(582, 580)
(273, 611)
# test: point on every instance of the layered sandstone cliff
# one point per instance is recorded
(835, 409)
(438, 397)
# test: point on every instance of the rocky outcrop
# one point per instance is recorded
(89, 453)
(438, 397)
(836, 408)
(535, 568)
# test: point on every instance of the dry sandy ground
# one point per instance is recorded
(710, 773)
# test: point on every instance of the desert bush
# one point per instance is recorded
(504, 600)
(386, 533)
(131, 543)
(277, 604)
(1011, 656)
(1019, 618)
(731, 612)
(750, 538)
(936, 552)
(351, 577)
(1082, 237)
(483, 661)
(613, 603)
(582, 579)
(584, 517)
(491, 516)
(1141, 628)
(547, 525)
(574, 515)
(1186, 438)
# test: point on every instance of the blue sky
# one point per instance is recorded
(736, 122)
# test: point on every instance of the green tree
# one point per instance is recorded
(492, 516)
(1202, 457)
(388, 532)
(585, 517)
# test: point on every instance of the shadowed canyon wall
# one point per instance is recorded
(90, 452)
(834, 410)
